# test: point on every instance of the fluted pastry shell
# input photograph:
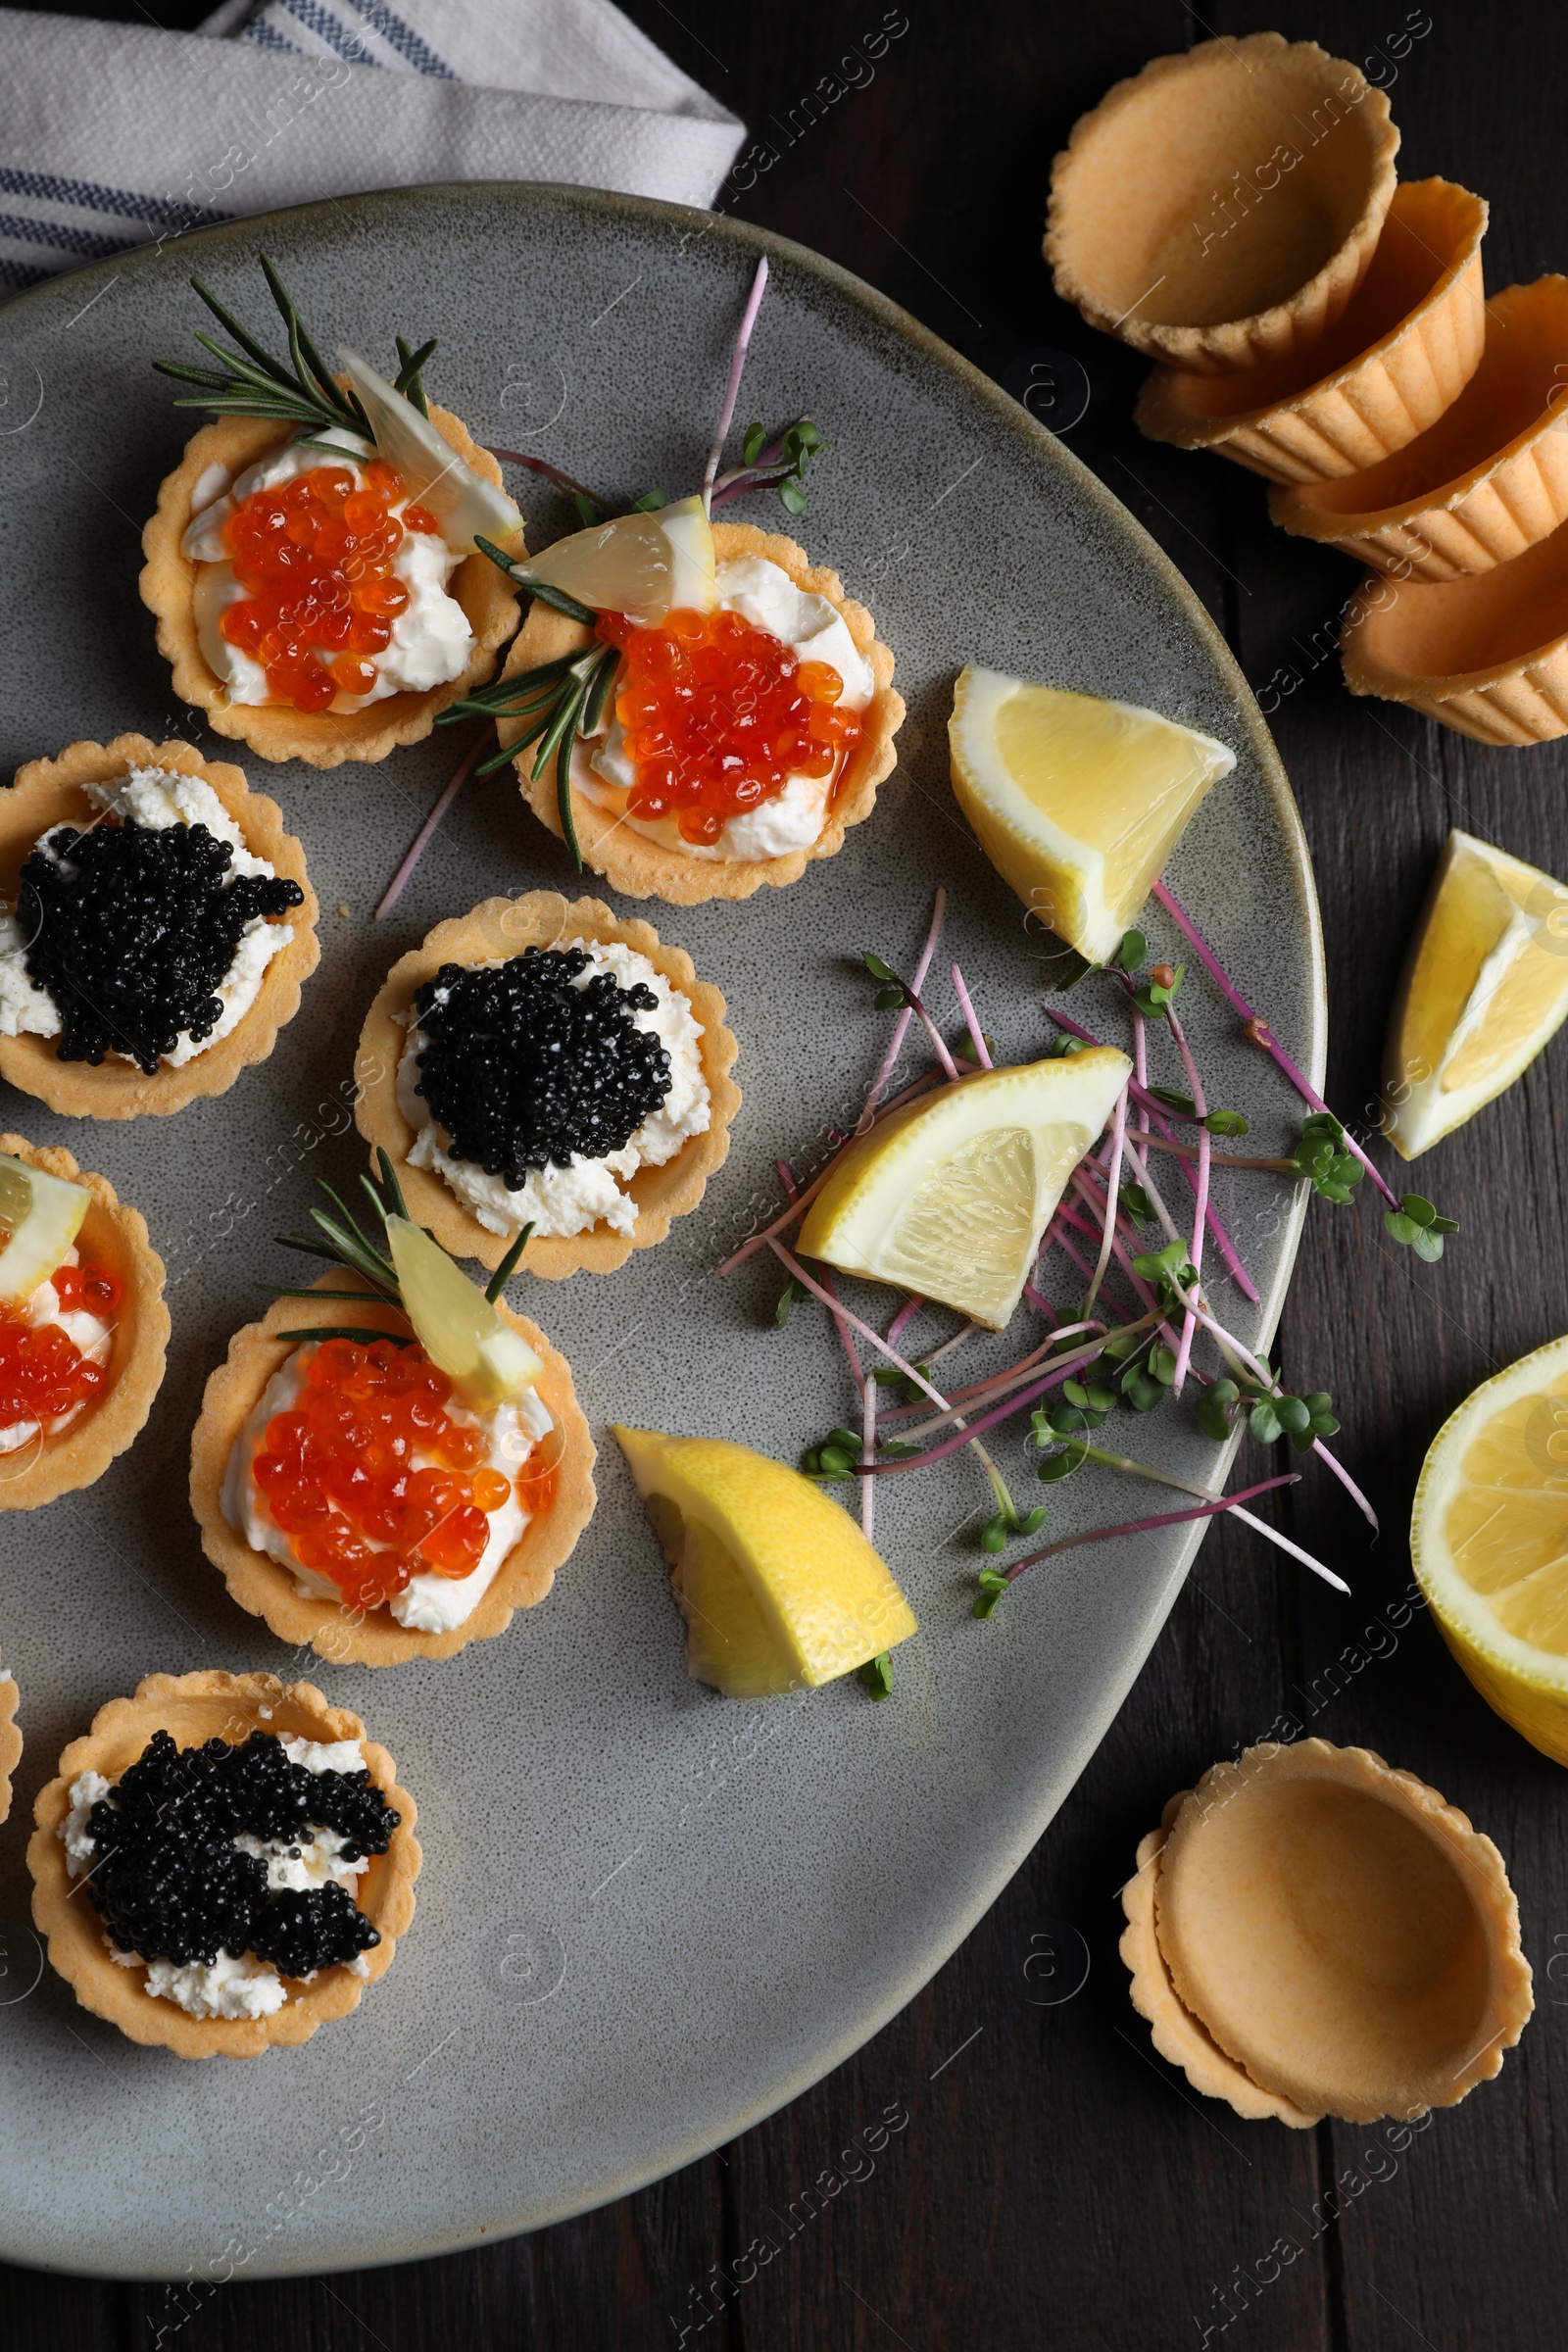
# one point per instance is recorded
(115, 1236)
(10, 1741)
(1177, 2035)
(1178, 223)
(1398, 355)
(374, 1637)
(640, 868)
(1489, 480)
(276, 730)
(193, 1708)
(51, 792)
(1341, 1932)
(1486, 653)
(498, 929)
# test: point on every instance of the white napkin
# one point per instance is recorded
(113, 135)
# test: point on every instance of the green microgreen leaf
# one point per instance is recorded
(587, 510)
(1137, 1203)
(876, 1675)
(1132, 953)
(993, 1585)
(1225, 1122)
(876, 968)
(1177, 1102)
(752, 445)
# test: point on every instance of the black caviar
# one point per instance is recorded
(169, 1883)
(523, 1067)
(132, 929)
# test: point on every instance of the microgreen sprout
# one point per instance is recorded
(1159, 990)
(1417, 1224)
(1320, 1157)
(1270, 1412)
(877, 1675)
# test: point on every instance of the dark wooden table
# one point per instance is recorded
(1055, 2183)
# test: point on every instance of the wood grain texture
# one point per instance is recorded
(1055, 2184)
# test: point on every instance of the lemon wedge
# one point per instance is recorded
(779, 1588)
(1077, 802)
(950, 1196)
(463, 502)
(40, 1217)
(1485, 987)
(1488, 1542)
(644, 565)
(455, 1322)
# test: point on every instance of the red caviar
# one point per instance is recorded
(316, 559)
(720, 715)
(339, 1475)
(43, 1373)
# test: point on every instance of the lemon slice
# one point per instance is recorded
(644, 565)
(1485, 986)
(1077, 802)
(455, 1322)
(779, 1588)
(463, 502)
(950, 1198)
(40, 1216)
(1488, 1542)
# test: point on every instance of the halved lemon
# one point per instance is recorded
(950, 1196)
(40, 1217)
(1077, 802)
(1485, 987)
(1488, 1542)
(779, 1588)
(455, 1322)
(644, 565)
(463, 502)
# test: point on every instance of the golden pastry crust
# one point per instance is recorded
(640, 868)
(115, 1236)
(266, 1588)
(52, 792)
(10, 1741)
(502, 928)
(323, 739)
(194, 1707)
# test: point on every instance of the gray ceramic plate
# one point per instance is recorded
(647, 1916)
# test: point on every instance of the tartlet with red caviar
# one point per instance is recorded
(312, 560)
(460, 1081)
(395, 1486)
(83, 1327)
(102, 1014)
(317, 1911)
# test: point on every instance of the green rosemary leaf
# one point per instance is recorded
(587, 509)
(304, 353)
(360, 1333)
(508, 1266)
(247, 342)
(599, 692)
(191, 375)
(282, 1290)
(410, 369)
(389, 1178)
(569, 828)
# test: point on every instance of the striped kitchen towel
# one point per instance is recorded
(115, 135)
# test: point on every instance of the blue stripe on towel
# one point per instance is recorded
(404, 39)
(91, 245)
(89, 195)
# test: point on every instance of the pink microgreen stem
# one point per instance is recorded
(1349, 1483)
(766, 469)
(1039, 1303)
(422, 839)
(980, 1049)
(994, 1384)
(1146, 1141)
(985, 1392)
(902, 1024)
(1184, 1353)
(1139, 1527)
(737, 365)
(867, 1455)
(1261, 1033)
(1166, 1478)
(903, 1319)
(1062, 1369)
(552, 473)
(1118, 1138)
(787, 1179)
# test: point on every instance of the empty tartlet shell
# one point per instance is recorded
(374, 1637)
(51, 792)
(1484, 484)
(1400, 353)
(276, 730)
(1176, 2032)
(1486, 653)
(1136, 201)
(10, 1741)
(640, 868)
(1338, 1932)
(495, 931)
(115, 1236)
(194, 1707)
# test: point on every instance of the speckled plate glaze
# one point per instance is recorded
(647, 1916)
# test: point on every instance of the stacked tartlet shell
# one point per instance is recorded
(10, 1741)
(1397, 357)
(52, 792)
(1488, 480)
(494, 932)
(268, 1590)
(276, 730)
(640, 868)
(1140, 235)
(192, 1708)
(115, 1236)
(1310, 1932)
